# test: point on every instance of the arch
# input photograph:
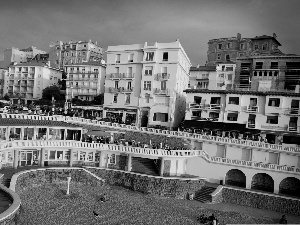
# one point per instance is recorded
(236, 178)
(262, 182)
(290, 186)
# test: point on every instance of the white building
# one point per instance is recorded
(26, 81)
(3, 74)
(145, 83)
(85, 80)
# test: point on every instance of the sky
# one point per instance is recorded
(25, 23)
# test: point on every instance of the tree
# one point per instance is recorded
(98, 100)
(6, 97)
(54, 91)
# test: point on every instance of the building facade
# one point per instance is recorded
(85, 80)
(145, 83)
(229, 49)
(20, 55)
(26, 81)
(3, 74)
(61, 54)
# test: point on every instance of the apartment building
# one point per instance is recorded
(3, 74)
(61, 54)
(145, 82)
(19, 55)
(26, 81)
(229, 49)
(85, 80)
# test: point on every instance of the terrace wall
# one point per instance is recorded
(261, 200)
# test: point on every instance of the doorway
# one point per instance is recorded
(29, 158)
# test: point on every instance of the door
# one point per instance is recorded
(29, 158)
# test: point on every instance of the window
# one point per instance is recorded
(118, 58)
(147, 85)
(79, 53)
(227, 57)
(233, 100)
(265, 47)
(228, 45)
(130, 57)
(127, 99)
(74, 47)
(149, 56)
(77, 68)
(90, 156)
(229, 76)
(52, 155)
(220, 84)
(219, 46)
(258, 65)
(115, 98)
(148, 70)
(84, 46)
(147, 98)
(59, 155)
(242, 46)
(163, 85)
(214, 115)
(218, 56)
(67, 54)
(232, 116)
(197, 99)
(72, 54)
(112, 159)
(256, 47)
(230, 68)
(117, 70)
(221, 75)
(241, 54)
(116, 84)
(275, 102)
(83, 53)
(82, 156)
(162, 117)
(165, 56)
(272, 119)
(274, 65)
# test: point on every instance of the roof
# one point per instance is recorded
(203, 68)
(266, 37)
(30, 64)
(27, 122)
(90, 63)
(274, 93)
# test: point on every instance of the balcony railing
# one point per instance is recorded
(115, 76)
(252, 109)
(217, 107)
(196, 106)
(125, 90)
(251, 125)
(202, 77)
(292, 128)
(292, 111)
(162, 92)
(162, 76)
(113, 90)
(128, 75)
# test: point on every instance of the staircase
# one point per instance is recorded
(144, 166)
(204, 195)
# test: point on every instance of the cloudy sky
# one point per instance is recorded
(37, 23)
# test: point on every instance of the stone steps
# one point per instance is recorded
(144, 166)
(204, 195)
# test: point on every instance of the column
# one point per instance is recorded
(16, 158)
(248, 180)
(124, 116)
(65, 135)
(71, 157)
(47, 133)
(276, 185)
(42, 157)
(7, 134)
(22, 133)
(162, 165)
(102, 159)
(129, 162)
(35, 133)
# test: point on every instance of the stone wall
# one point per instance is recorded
(175, 188)
(261, 201)
(167, 168)
(39, 177)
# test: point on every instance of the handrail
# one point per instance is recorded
(201, 137)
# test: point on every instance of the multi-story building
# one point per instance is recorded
(26, 81)
(61, 54)
(268, 73)
(145, 83)
(85, 80)
(19, 55)
(217, 77)
(229, 49)
(3, 74)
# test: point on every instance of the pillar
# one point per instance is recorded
(42, 157)
(35, 133)
(276, 185)
(16, 158)
(22, 133)
(129, 162)
(47, 133)
(71, 157)
(7, 134)
(248, 180)
(65, 135)
(162, 165)
(102, 159)
(124, 116)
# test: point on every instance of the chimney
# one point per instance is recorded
(274, 35)
(238, 36)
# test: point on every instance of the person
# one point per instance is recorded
(283, 220)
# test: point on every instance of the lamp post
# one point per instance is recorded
(68, 190)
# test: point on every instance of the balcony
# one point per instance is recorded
(251, 125)
(125, 90)
(158, 91)
(86, 93)
(292, 128)
(30, 84)
(128, 76)
(202, 77)
(113, 90)
(292, 111)
(30, 77)
(113, 76)
(196, 106)
(162, 76)
(215, 107)
(24, 85)
(252, 109)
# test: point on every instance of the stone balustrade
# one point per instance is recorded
(200, 137)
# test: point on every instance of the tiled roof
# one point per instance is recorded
(203, 68)
(94, 63)
(29, 64)
(27, 122)
(266, 37)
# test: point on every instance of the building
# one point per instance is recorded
(26, 81)
(20, 55)
(61, 54)
(85, 80)
(229, 49)
(145, 82)
(3, 74)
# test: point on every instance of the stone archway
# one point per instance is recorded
(236, 178)
(290, 186)
(262, 182)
